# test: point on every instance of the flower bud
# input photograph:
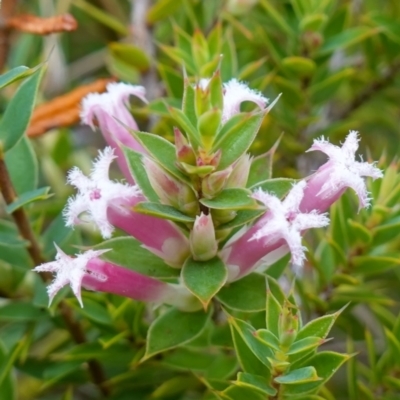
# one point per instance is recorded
(215, 182)
(203, 243)
(240, 173)
(170, 190)
(184, 152)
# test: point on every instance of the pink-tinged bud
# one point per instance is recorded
(342, 171)
(88, 271)
(203, 244)
(240, 172)
(212, 184)
(170, 190)
(184, 152)
(111, 113)
(281, 225)
(109, 204)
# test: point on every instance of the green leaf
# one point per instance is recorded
(121, 69)
(268, 338)
(273, 311)
(175, 328)
(204, 278)
(248, 334)
(16, 118)
(186, 124)
(131, 55)
(188, 102)
(9, 235)
(162, 9)
(138, 171)
(22, 166)
(374, 264)
(359, 231)
(162, 151)
(21, 311)
(326, 364)
(15, 74)
(241, 392)
(305, 344)
(323, 90)
(231, 199)
(247, 294)
(93, 310)
(386, 232)
(347, 38)
(277, 186)
(163, 211)
(275, 289)
(256, 381)
(236, 136)
(128, 252)
(243, 217)
(319, 327)
(102, 16)
(261, 166)
(278, 18)
(248, 361)
(29, 197)
(301, 375)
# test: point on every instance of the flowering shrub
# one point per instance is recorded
(202, 263)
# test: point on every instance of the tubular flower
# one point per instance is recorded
(109, 204)
(110, 111)
(341, 171)
(282, 225)
(87, 270)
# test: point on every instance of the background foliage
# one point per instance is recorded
(337, 65)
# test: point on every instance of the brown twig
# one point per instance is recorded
(42, 26)
(63, 110)
(7, 11)
(25, 230)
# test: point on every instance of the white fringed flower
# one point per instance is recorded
(113, 102)
(68, 270)
(344, 170)
(96, 193)
(235, 94)
(285, 221)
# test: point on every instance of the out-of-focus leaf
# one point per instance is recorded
(16, 118)
(29, 197)
(102, 16)
(130, 54)
(14, 75)
(347, 38)
(22, 166)
(162, 9)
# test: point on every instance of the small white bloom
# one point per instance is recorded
(235, 94)
(345, 170)
(286, 222)
(113, 102)
(96, 193)
(68, 270)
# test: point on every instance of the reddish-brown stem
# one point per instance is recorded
(25, 230)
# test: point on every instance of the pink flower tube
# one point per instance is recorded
(278, 230)
(109, 204)
(110, 108)
(341, 171)
(87, 270)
